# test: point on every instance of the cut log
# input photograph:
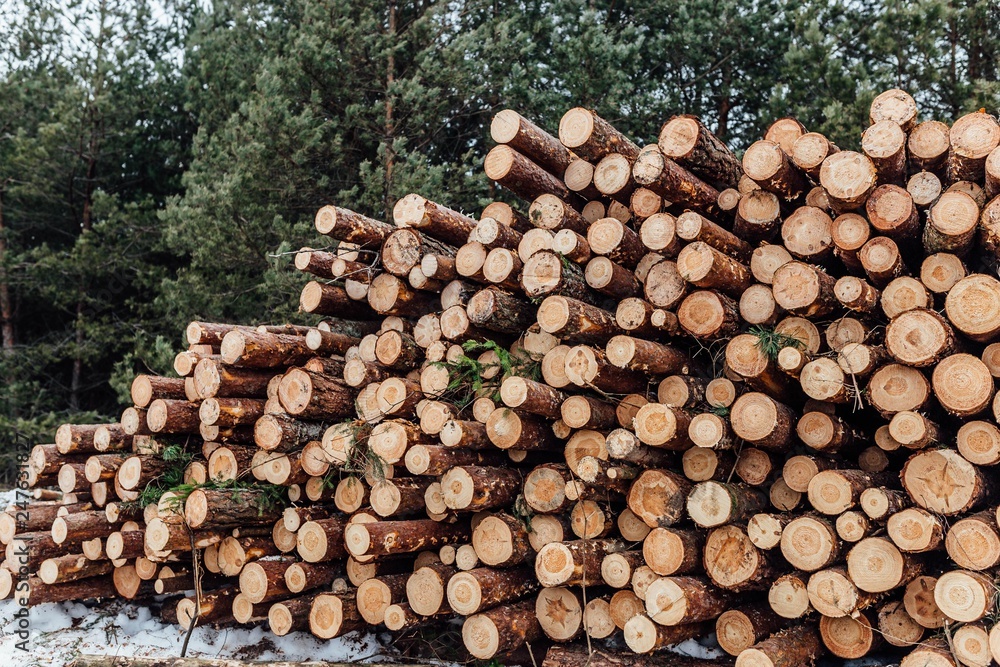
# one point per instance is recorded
(502, 629)
(758, 216)
(656, 172)
(916, 530)
(611, 238)
(734, 563)
(833, 594)
(509, 430)
(810, 543)
(687, 140)
(876, 565)
(576, 321)
(574, 563)
(713, 504)
(643, 635)
(884, 142)
(708, 315)
(809, 151)
(547, 273)
(762, 421)
(942, 481)
(333, 615)
(804, 290)
(613, 177)
(973, 307)
(964, 596)
(390, 537)
(739, 629)
(674, 601)
(963, 385)
(770, 167)
(658, 497)
(897, 627)
(951, 224)
(849, 179)
(345, 225)
(894, 388)
(591, 137)
(972, 137)
(484, 588)
(788, 596)
(509, 127)
(799, 645)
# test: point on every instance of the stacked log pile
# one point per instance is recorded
(672, 392)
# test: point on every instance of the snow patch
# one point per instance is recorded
(59, 632)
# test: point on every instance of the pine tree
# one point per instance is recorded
(94, 147)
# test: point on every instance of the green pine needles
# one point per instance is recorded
(468, 375)
(770, 342)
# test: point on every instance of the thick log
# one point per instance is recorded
(942, 481)
(659, 234)
(849, 179)
(799, 645)
(964, 596)
(509, 127)
(591, 137)
(687, 140)
(664, 287)
(770, 167)
(876, 565)
(809, 151)
(810, 543)
(346, 225)
(643, 635)
(484, 588)
(702, 265)
(681, 600)
(333, 615)
(613, 177)
(972, 137)
(884, 142)
(280, 432)
(146, 388)
(709, 315)
(713, 503)
(758, 216)
(476, 488)
(897, 627)
(691, 227)
(739, 629)
(574, 563)
(658, 497)
(656, 172)
(501, 629)
(894, 388)
(611, 238)
(547, 273)
(76, 438)
(385, 538)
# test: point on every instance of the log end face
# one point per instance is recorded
(505, 126)
(481, 636)
(554, 564)
(576, 127)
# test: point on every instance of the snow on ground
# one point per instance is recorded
(59, 632)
